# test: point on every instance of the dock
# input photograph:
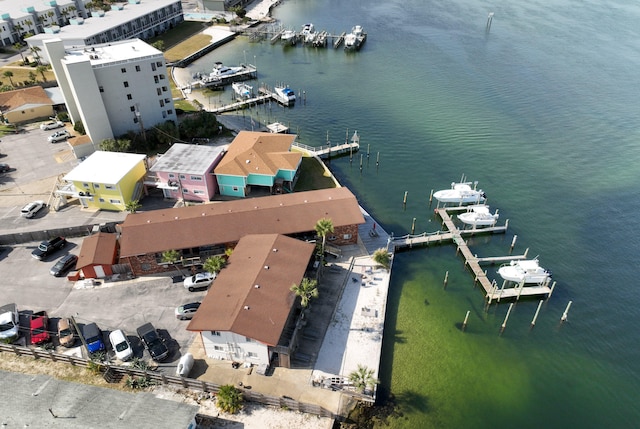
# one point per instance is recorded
(327, 151)
(339, 40)
(205, 80)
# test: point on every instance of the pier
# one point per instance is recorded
(273, 33)
(327, 151)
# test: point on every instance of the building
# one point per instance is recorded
(113, 88)
(200, 231)
(185, 171)
(97, 255)
(40, 401)
(245, 314)
(79, 26)
(81, 146)
(25, 105)
(106, 180)
(258, 159)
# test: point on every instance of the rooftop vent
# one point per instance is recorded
(266, 267)
(275, 250)
(246, 307)
(256, 286)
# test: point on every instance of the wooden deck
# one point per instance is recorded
(327, 151)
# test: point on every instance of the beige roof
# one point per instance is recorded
(227, 222)
(97, 249)
(259, 153)
(272, 262)
(32, 96)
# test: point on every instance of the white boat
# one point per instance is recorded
(289, 37)
(479, 216)
(461, 193)
(220, 71)
(242, 89)
(527, 271)
(184, 365)
(308, 33)
(355, 39)
(284, 95)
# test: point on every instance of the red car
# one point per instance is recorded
(39, 327)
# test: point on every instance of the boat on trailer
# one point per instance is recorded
(479, 216)
(461, 193)
(525, 271)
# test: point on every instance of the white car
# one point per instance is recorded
(59, 136)
(52, 125)
(199, 281)
(31, 209)
(120, 345)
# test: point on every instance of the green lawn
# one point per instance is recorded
(312, 176)
(178, 34)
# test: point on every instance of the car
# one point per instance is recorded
(93, 337)
(51, 125)
(199, 281)
(64, 264)
(32, 209)
(153, 342)
(120, 345)
(48, 247)
(39, 328)
(66, 333)
(186, 311)
(59, 136)
(4, 168)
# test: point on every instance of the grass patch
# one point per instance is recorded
(21, 74)
(178, 34)
(185, 105)
(186, 48)
(313, 176)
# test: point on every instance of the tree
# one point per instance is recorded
(9, 74)
(32, 77)
(363, 378)
(42, 69)
(229, 399)
(306, 290)
(35, 51)
(113, 145)
(171, 257)
(18, 47)
(323, 227)
(158, 44)
(382, 257)
(133, 206)
(214, 264)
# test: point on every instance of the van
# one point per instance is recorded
(93, 336)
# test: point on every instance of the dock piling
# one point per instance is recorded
(513, 243)
(378, 159)
(566, 312)
(535, 316)
(413, 226)
(430, 197)
(404, 200)
(446, 279)
(504, 324)
(466, 318)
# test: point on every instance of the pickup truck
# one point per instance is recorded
(9, 323)
(48, 247)
(38, 327)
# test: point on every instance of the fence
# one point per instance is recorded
(29, 236)
(114, 373)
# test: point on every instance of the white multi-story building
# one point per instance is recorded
(113, 88)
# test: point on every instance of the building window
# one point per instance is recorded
(235, 189)
(137, 68)
(346, 237)
(126, 84)
(198, 192)
(215, 333)
(185, 191)
(158, 91)
(101, 89)
(123, 69)
(155, 79)
(182, 176)
(247, 339)
(196, 177)
(153, 67)
(101, 200)
(86, 185)
(135, 120)
(115, 201)
(167, 100)
(218, 348)
(161, 103)
(159, 63)
(129, 97)
(170, 111)
(165, 89)
(109, 187)
(132, 108)
(171, 175)
(161, 77)
(252, 354)
(96, 185)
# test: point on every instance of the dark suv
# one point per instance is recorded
(153, 342)
(93, 336)
(63, 265)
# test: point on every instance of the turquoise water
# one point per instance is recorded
(542, 111)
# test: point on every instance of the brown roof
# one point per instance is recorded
(12, 100)
(79, 140)
(226, 222)
(235, 304)
(259, 153)
(97, 249)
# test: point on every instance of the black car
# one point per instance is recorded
(153, 342)
(65, 264)
(4, 168)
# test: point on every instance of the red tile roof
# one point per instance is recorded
(226, 222)
(12, 100)
(97, 249)
(274, 263)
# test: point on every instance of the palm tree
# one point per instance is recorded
(382, 257)
(323, 227)
(171, 257)
(35, 51)
(214, 264)
(229, 399)
(18, 47)
(32, 77)
(306, 290)
(133, 206)
(9, 74)
(42, 70)
(28, 23)
(363, 378)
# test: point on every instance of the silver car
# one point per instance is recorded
(31, 209)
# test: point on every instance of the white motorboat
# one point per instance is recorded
(527, 271)
(284, 95)
(479, 216)
(242, 90)
(184, 365)
(308, 33)
(220, 70)
(289, 37)
(461, 193)
(355, 39)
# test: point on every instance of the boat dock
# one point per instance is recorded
(454, 234)
(205, 80)
(274, 34)
(339, 40)
(265, 95)
(327, 151)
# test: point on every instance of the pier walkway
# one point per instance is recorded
(327, 151)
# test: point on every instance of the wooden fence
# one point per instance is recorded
(113, 373)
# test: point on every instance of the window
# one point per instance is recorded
(158, 91)
(171, 175)
(165, 89)
(252, 354)
(235, 189)
(215, 333)
(247, 339)
(155, 79)
(86, 185)
(123, 69)
(129, 97)
(109, 187)
(167, 100)
(198, 192)
(161, 103)
(153, 67)
(218, 348)
(101, 89)
(161, 77)
(159, 63)
(346, 237)
(133, 108)
(185, 191)
(137, 68)
(170, 111)
(182, 176)
(126, 84)
(135, 120)
(96, 185)
(115, 202)
(196, 177)
(101, 200)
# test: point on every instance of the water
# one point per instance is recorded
(543, 112)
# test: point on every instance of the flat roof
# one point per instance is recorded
(17, 9)
(104, 167)
(111, 19)
(106, 53)
(187, 158)
(39, 401)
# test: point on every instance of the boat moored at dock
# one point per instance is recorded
(527, 271)
(461, 193)
(479, 216)
(308, 33)
(284, 95)
(289, 37)
(242, 90)
(354, 40)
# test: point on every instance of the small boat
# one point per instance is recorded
(320, 40)
(308, 33)
(284, 95)
(220, 70)
(461, 193)
(355, 39)
(479, 216)
(242, 90)
(184, 365)
(527, 271)
(289, 37)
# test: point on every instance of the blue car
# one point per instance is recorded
(93, 336)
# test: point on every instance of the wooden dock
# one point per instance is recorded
(338, 41)
(241, 104)
(327, 151)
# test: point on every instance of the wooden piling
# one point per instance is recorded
(378, 159)
(504, 324)
(446, 279)
(431, 197)
(513, 243)
(466, 319)
(413, 226)
(535, 316)
(360, 163)
(553, 285)
(566, 312)
(404, 200)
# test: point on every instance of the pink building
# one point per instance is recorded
(186, 171)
